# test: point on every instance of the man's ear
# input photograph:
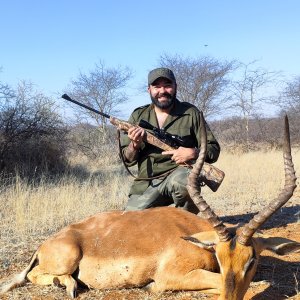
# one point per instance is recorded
(278, 245)
(206, 240)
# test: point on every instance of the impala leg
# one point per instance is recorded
(70, 283)
(197, 279)
(38, 276)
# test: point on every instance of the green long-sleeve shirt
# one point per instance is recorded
(184, 121)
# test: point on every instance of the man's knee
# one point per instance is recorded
(135, 203)
(178, 178)
(147, 200)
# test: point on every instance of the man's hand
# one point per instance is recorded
(136, 135)
(182, 155)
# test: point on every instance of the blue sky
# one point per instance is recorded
(49, 42)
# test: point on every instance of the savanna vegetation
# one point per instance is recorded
(54, 171)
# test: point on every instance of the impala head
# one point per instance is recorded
(237, 251)
(238, 265)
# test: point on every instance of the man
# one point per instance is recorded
(170, 115)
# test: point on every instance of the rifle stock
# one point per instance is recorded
(210, 175)
(148, 137)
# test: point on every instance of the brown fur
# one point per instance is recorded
(126, 249)
(147, 249)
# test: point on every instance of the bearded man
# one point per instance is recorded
(162, 175)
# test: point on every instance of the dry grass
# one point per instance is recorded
(47, 207)
(251, 180)
(29, 214)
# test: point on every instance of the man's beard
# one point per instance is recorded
(165, 104)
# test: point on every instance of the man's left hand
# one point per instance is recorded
(182, 155)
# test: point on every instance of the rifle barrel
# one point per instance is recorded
(66, 97)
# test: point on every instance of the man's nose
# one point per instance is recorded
(162, 89)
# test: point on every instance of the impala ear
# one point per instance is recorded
(279, 245)
(206, 240)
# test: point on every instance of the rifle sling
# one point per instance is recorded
(126, 167)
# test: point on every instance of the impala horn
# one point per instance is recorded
(286, 193)
(193, 187)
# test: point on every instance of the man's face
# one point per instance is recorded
(162, 93)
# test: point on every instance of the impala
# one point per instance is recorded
(161, 248)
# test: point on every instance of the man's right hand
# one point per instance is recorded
(136, 134)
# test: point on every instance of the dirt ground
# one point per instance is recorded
(276, 278)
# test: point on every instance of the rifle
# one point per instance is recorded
(210, 175)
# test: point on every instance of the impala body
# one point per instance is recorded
(161, 248)
(130, 249)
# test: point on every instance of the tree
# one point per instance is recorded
(290, 96)
(6, 93)
(289, 102)
(103, 89)
(201, 81)
(31, 132)
(248, 93)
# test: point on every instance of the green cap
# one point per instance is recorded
(160, 72)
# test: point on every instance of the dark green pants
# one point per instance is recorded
(169, 191)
